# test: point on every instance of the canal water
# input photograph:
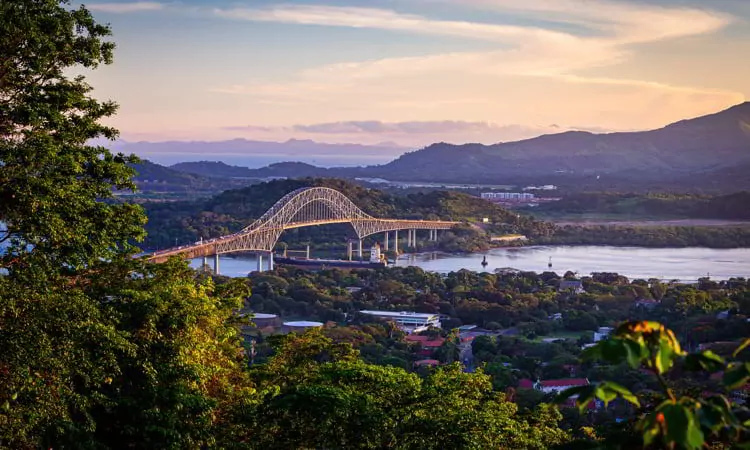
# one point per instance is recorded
(684, 264)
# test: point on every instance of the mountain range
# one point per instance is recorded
(249, 153)
(706, 153)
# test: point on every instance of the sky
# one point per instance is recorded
(413, 72)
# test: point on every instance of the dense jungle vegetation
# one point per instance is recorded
(185, 222)
(103, 350)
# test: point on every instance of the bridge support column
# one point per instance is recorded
(270, 260)
(216, 264)
(307, 252)
(349, 248)
(260, 262)
(385, 242)
(359, 250)
(395, 241)
(205, 262)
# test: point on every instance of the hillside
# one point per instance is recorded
(710, 143)
(250, 153)
(732, 207)
(220, 169)
(153, 177)
(709, 153)
(230, 211)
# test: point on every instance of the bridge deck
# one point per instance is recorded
(223, 244)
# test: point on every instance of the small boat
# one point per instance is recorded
(549, 264)
(484, 261)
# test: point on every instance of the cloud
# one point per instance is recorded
(627, 22)
(413, 133)
(533, 76)
(384, 19)
(125, 7)
(609, 30)
(414, 127)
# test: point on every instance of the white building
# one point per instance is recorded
(507, 196)
(375, 254)
(410, 322)
(602, 333)
(557, 386)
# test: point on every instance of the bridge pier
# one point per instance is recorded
(270, 260)
(307, 252)
(216, 264)
(205, 262)
(260, 262)
(395, 241)
(349, 249)
(359, 250)
(385, 242)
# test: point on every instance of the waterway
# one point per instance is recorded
(684, 264)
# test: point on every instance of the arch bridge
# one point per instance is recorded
(303, 207)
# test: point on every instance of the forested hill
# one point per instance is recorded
(727, 207)
(232, 210)
(695, 146)
(220, 169)
(151, 177)
(704, 154)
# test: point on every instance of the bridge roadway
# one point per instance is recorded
(303, 208)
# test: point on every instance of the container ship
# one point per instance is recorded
(377, 260)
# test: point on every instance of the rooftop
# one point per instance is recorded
(427, 362)
(426, 341)
(303, 323)
(261, 315)
(565, 382)
(399, 314)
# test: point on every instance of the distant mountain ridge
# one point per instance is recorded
(247, 152)
(700, 149)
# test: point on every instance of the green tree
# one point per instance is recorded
(52, 182)
(670, 419)
(99, 350)
(339, 402)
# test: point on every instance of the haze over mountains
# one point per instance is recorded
(705, 149)
(249, 153)
(709, 152)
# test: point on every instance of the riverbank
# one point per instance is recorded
(683, 264)
(655, 236)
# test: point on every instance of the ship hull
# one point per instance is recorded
(327, 263)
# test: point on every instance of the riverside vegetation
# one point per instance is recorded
(101, 350)
(187, 221)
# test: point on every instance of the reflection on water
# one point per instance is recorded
(685, 264)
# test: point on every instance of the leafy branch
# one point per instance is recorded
(678, 421)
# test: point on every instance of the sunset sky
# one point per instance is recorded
(418, 71)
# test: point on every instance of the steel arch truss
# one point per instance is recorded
(300, 208)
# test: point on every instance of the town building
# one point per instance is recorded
(557, 386)
(572, 285)
(646, 303)
(428, 344)
(409, 322)
(602, 333)
(299, 326)
(507, 196)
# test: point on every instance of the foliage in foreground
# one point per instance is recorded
(670, 418)
(317, 394)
